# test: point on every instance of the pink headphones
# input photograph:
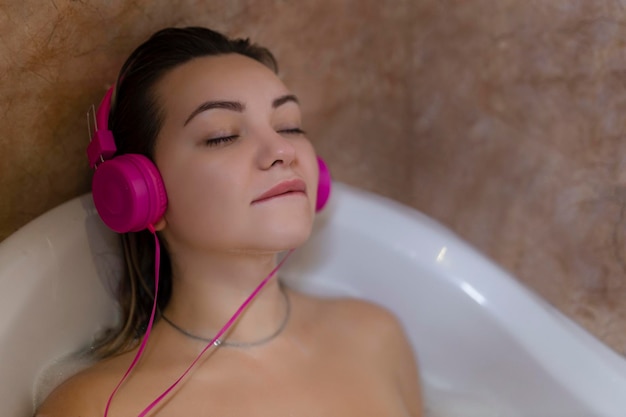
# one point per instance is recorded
(128, 190)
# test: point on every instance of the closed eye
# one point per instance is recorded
(220, 140)
(292, 131)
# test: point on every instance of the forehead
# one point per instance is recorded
(224, 77)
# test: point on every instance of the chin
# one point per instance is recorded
(284, 227)
(285, 240)
(284, 235)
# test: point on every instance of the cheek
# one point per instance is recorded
(310, 171)
(202, 202)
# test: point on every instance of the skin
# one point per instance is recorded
(335, 357)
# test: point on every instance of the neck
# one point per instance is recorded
(210, 288)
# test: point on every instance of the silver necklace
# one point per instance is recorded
(220, 342)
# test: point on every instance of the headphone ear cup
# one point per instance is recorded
(129, 193)
(324, 185)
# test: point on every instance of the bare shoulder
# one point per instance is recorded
(367, 319)
(383, 343)
(84, 394)
(373, 326)
(390, 348)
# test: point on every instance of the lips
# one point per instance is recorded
(283, 188)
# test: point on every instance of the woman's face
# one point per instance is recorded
(232, 136)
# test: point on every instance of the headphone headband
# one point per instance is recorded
(102, 146)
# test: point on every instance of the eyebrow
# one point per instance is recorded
(236, 106)
(210, 105)
(284, 99)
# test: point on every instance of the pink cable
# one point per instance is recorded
(157, 262)
(229, 323)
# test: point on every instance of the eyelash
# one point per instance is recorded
(220, 140)
(227, 139)
(292, 131)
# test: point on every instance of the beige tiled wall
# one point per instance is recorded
(519, 143)
(501, 118)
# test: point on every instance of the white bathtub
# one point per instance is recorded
(486, 345)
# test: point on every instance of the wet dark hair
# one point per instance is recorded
(136, 119)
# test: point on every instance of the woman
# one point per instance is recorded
(240, 175)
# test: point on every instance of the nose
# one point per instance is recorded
(275, 149)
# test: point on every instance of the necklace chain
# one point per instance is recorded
(220, 342)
